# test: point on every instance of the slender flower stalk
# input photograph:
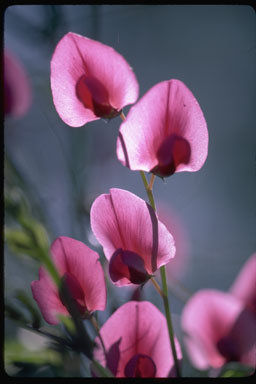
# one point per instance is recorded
(165, 297)
(97, 329)
(157, 287)
(148, 188)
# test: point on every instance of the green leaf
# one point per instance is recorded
(36, 232)
(100, 370)
(29, 304)
(15, 314)
(15, 351)
(236, 370)
(19, 241)
(68, 323)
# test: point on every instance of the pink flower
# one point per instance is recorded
(17, 91)
(89, 80)
(134, 241)
(165, 132)
(221, 327)
(244, 287)
(137, 342)
(80, 268)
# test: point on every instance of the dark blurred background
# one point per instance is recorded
(212, 49)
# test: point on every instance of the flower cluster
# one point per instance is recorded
(164, 133)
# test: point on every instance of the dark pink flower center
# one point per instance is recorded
(140, 366)
(92, 93)
(174, 150)
(228, 349)
(75, 291)
(127, 264)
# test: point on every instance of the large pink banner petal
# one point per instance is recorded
(168, 119)
(80, 66)
(138, 328)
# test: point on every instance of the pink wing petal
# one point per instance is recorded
(46, 295)
(208, 320)
(123, 220)
(83, 263)
(244, 287)
(167, 108)
(141, 329)
(17, 91)
(76, 56)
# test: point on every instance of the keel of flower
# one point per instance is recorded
(173, 151)
(140, 366)
(93, 95)
(128, 266)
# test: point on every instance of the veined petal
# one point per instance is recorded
(81, 67)
(121, 219)
(80, 267)
(46, 295)
(166, 112)
(138, 328)
(83, 263)
(217, 330)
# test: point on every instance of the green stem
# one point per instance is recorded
(148, 190)
(103, 371)
(49, 265)
(164, 285)
(169, 320)
(97, 329)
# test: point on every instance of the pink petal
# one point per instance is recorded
(208, 320)
(244, 287)
(83, 263)
(81, 268)
(17, 91)
(46, 295)
(140, 328)
(123, 220)
(81, 67)
(167, 116)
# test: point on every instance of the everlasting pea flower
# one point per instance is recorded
(221, 327)
(134, 241)
(89, 80)
(165, 132)
(218, 329)
(80, 268)
(137, 342)
(17, 92)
